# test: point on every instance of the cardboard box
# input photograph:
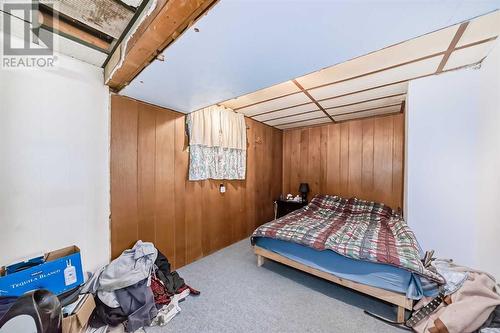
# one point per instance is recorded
(77, 322)
(61, 271)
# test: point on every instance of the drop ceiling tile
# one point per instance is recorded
(378, 112)
(402, 73)
(367, 105)
(393, 89)
(281, 89)
(275, 104)
(287, 112)
(324, 120)
(469, 55)
(304, 116)
(409, 50)
(481, 28)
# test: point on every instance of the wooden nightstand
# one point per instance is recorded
(284, 207)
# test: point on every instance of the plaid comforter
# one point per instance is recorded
(354, 228)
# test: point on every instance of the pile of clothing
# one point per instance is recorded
(470, 302)
(136, 290)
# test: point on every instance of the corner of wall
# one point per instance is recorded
(405, 163)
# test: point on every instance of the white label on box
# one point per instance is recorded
(69, 274)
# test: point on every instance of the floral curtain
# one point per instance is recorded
(217, 144)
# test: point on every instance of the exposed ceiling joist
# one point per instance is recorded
(166, 23)
(64, 40)
(108, 16)
(87, 29)
(61, 27)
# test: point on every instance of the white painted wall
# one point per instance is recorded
(453, 164)
(54, 161)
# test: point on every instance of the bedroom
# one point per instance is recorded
(186, 125)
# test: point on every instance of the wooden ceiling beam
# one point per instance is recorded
(166, 23)
(312, 99)
(452, 46)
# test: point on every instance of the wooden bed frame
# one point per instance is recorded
(400, 300)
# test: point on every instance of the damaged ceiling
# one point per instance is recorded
(109, 17)
(84, 29)
(240, 47)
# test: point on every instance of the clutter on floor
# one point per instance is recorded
(469, 302)
(76, 315)
(135, 291)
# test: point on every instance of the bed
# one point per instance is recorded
(359, 244)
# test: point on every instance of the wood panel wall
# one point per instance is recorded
(152, 200)
(362, 158)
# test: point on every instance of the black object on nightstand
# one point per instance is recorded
(284, 207)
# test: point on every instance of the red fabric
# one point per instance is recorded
(192, 291)
(160, 293)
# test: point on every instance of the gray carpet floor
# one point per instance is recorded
(238, 296)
